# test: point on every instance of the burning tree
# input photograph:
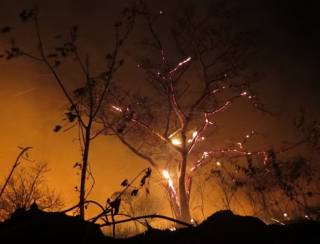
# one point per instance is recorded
(172, 126)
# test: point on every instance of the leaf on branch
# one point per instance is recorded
(56, 63)
(6, 29)
(74, 34)
(115, 205)
(52, 55)
(120, 129)
(134, 192)
(13, 52)
(77, 165)
(79, 91)
(71, 116)
(145, 177)
(72, 107)
(26, 14)
(57, 128)
(121, 62)
(143, 181)
(125, 183)
(148, 172)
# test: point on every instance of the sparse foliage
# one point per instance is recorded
(86, 101)
(28, 186)
(168, 126)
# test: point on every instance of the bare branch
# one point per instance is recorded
(14, 166)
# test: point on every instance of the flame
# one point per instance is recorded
(194, 134)
(176, 141)
(116, 108)
(180, 64)
(240, 144)
(172, 229)
(166, 175)
(244, 93)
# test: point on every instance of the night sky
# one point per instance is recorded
(287, 59)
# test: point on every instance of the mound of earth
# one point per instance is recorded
(36, 226)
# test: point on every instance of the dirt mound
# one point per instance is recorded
(36, 226)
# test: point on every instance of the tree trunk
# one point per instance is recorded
(183, 195)
(84, 167)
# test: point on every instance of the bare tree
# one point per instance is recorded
(24, 152)
(171, 127)
(285, 187)
(86, 101)
(26, 187)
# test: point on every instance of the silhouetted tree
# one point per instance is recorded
(17, 162)
(28, 186)
(285, 187)
(170, 125)
(86, 101)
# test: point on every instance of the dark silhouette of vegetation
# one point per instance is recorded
(26, 185)
(85, 102)
(35, 225)
(171, 127)
(14, 167)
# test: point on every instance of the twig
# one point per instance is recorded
(15, 165)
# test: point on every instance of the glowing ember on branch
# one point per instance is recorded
(194, 134)
(176, 141)
(180, 64)
(205, 154)
(244, 93)
(166, 175)
(172, 229)
(116, 108)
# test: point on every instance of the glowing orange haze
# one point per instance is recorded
(32, 104)
(30, 107)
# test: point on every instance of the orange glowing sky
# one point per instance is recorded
(32, 104)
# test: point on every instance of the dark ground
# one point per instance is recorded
(36, 226)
